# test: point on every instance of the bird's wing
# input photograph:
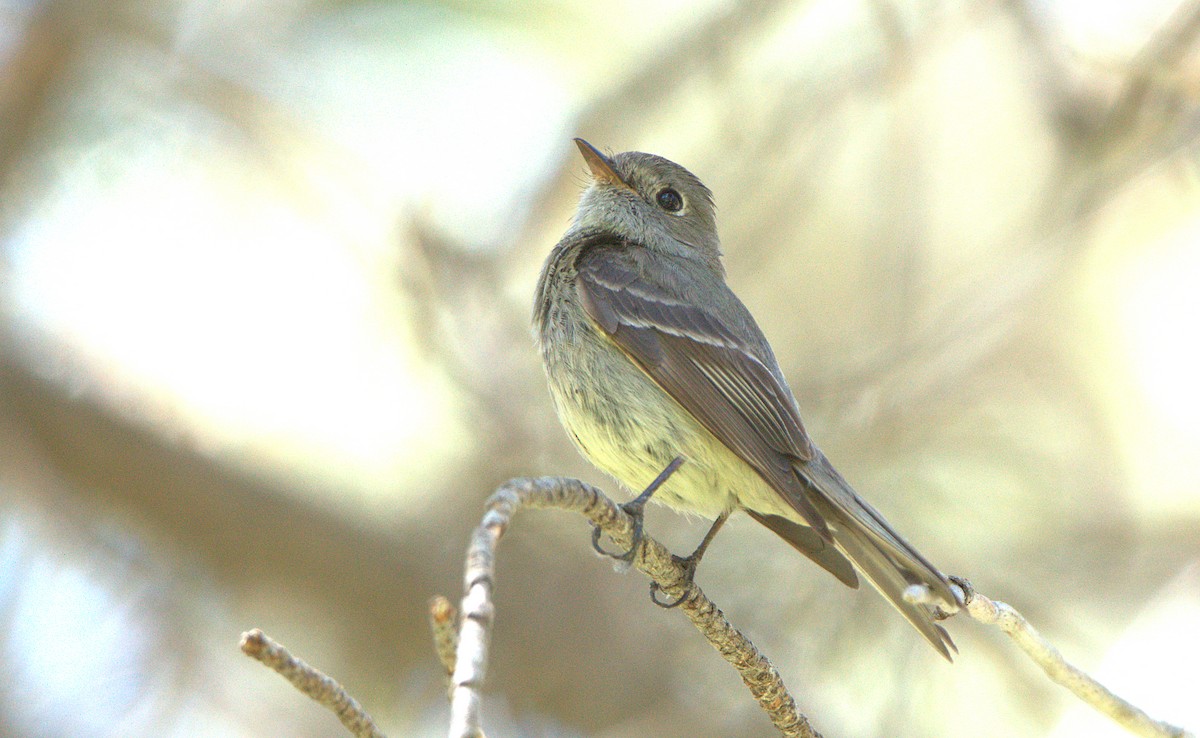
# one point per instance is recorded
(705, 365)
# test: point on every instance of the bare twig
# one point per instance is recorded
(1060, 671)
(311, 682)
(760, 677)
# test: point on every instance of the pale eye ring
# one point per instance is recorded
(670, 200)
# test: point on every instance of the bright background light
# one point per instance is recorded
(265, 279)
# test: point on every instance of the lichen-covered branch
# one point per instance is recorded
(465, 652)
(311, 682)
(760, 677)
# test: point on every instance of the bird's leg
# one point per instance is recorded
(636, 509)
(690, 563)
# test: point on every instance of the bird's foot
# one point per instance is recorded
(636, 510)
(637, 514)
(689, 565)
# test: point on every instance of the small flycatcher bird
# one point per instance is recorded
(651, 358)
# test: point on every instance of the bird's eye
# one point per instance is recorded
(669, 200)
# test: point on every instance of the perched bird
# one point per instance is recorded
(650, 358)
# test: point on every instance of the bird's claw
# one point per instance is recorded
(689, 568)
(637, 512)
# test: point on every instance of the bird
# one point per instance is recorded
(654, 364)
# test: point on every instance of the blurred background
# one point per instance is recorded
(266, 269)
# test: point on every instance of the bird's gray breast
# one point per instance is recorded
(618, 417)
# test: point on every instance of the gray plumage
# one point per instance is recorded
(650, 356)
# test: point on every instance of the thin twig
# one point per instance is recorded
(311, 682)
(653, 559)
(1060, 671)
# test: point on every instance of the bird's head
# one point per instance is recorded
(650, 200)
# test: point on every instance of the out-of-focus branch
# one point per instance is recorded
(311, 682)
(652, 559)
(1157, 60)
(1108, 144)
(1061, 671)
(704, 49)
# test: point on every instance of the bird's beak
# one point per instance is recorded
(600, 165)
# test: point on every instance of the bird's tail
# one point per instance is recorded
(888, 561)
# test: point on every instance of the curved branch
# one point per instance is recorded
(653, 559)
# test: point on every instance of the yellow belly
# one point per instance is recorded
(626, 425)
